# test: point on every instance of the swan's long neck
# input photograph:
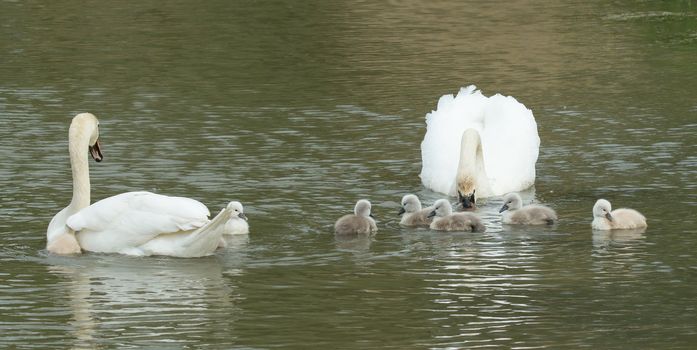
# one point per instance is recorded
(471, 161)
(78, 145)
(59, 238)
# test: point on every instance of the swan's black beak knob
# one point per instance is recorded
(467, 201)
(96, 152)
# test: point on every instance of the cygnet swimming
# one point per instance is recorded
(358, 223)
(236, 225)
(604, 218)
(412, 213)
(514, 213)
(445, 220)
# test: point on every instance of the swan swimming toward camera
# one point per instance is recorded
(480, 145)
(133, 223)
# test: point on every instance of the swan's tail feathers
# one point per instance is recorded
(207, 237)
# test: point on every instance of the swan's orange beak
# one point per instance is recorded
(96, 152)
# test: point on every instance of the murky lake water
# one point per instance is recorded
(298, 109)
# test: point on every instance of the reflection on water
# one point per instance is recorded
(132, 297)
(298, 110)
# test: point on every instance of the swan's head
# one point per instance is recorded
(441, 208)
(410, 204)
(466, 199)
(237, 210)
(86, 126)
(362, 208)
(602, 208)
(511, 201)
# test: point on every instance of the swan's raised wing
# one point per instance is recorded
(440, 148)
(510, 144)
(508, 133)
(133, 218)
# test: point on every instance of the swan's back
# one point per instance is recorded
(508, 133)
(131, 219)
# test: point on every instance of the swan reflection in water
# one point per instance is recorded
(145, 300)
(604, 239)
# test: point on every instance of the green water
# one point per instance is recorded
(298, 109)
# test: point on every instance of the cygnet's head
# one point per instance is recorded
(362, 208)
(602, 208)
(410, 204)
(511, 201)
(441, 208)
(237, 210)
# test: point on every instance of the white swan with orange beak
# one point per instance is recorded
(133, 223)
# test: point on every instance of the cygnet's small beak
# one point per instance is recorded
(431, 214)
(96, 152)
(242, 216)
(401, 211)
(608, 216)
(371, 215)
(503, 208)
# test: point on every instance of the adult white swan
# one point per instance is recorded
(474, 142)
(134, 223)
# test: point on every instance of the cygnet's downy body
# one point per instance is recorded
(360, 223)
(412, 213)
(604, 218)
(514, 213)
(445, 220)
(237, 225)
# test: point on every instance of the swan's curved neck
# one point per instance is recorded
(471, 162)
(78, 145)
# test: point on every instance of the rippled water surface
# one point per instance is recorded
(298, 109)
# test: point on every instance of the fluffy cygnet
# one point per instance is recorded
(604, 218)
(514, 213)
(412, 214)
(237, 225)
(445, 220)
(358, 223)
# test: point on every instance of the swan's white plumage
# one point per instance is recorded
(508, 133)
(134, 223)
(132, 219)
